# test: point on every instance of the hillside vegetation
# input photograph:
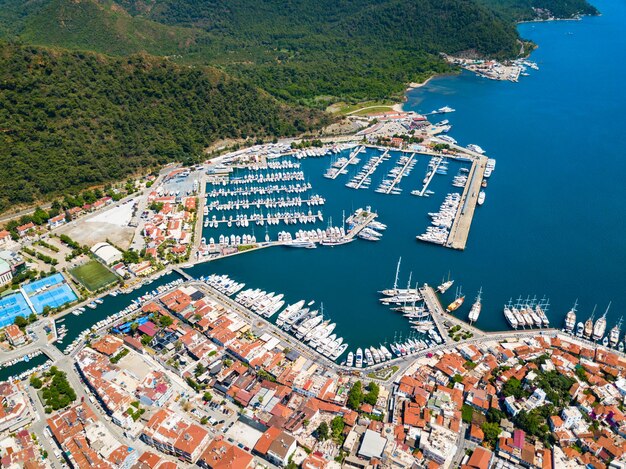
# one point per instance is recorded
(177, 75)
(526, 10)
(74, 119)
(307, 52)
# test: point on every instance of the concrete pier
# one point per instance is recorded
(360, 224)
(457, 239)
(430, 178)
(353, 155)
(400, 174)
(440, 315)
(372, 169)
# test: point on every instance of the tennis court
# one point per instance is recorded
(12, 306)
(46, 282)
(52, 297)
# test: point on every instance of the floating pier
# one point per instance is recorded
(372, 168)
(353, 156)
(463, 220)
(432, 175)
(400, 174)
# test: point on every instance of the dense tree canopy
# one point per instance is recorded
(75, 119)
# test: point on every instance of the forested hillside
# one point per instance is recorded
(525, 10)
(308, 52)
(70, 118)
(75, 119)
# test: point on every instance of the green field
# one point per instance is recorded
(93, 275)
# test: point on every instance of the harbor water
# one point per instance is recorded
(22, 366)
(552, 224)
(110, 305)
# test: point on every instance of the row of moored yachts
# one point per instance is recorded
(262, 190)
(267, 177)
(442, 220)
(306, 324)
(529, 313)
(268, 202)
(243, 220)
(363, 179)
(403, 168)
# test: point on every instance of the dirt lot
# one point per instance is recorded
(111, 224)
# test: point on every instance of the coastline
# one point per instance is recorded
(399, 107)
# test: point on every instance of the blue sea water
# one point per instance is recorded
(553, 222)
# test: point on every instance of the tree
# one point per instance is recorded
(130, 257)
(20, 322)
(491, 432)
(494, 415)
(466, 412)
(355, 396)
(322, 431)
(165, 320)
(337, 424)
(207, 396)
(513, 387)
(36, 382)
(200, 368)
(372, 396)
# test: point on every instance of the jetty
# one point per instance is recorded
(439, 314)
(374, 164)
(459, 231)
(353, 155)
(359, 224)
(431, 176)
(400, 174)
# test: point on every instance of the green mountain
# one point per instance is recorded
(175, 75)
(299, 50)
(526, 10)
(70, 120)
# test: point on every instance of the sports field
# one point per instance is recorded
(93, 275)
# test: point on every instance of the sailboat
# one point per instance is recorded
(393, 291)
(456, 304)
(600, 326)
(615, 333)
(445, 285)
(570, 318)
(476, 307)
(588, 330)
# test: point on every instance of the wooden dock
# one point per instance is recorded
(457, 239)
(400, 174)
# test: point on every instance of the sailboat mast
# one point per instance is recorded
(395, 283)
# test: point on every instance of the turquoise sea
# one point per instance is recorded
(553, 222)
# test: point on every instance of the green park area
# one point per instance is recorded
(93, 275)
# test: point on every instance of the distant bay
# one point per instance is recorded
(553, 222)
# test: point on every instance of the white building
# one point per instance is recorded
(106, 253)
(571, 416)
(439, 445)
(6, 275)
